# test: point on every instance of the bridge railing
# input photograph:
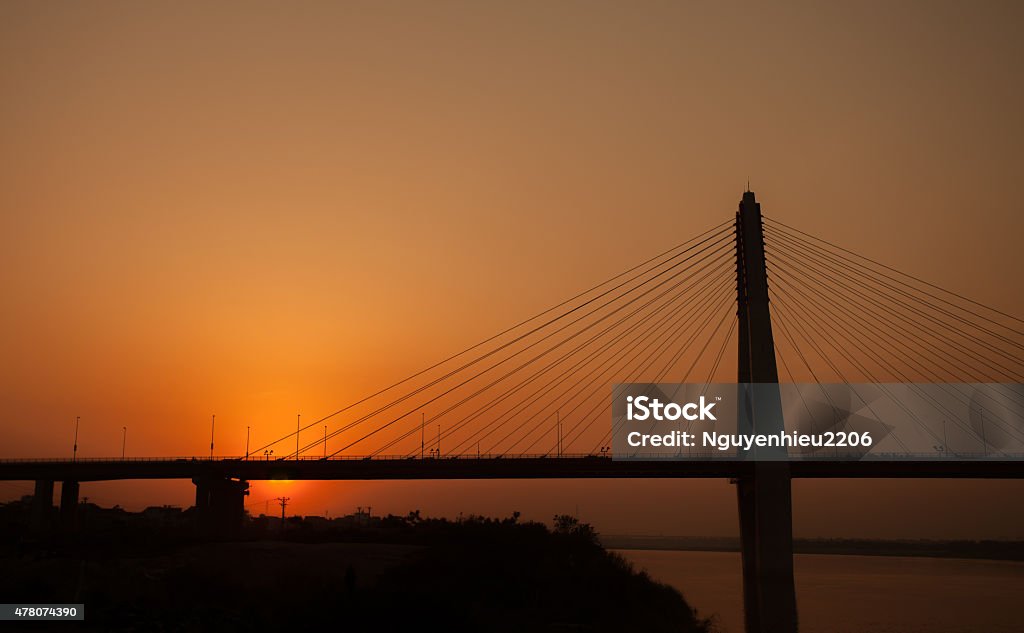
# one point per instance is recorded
(699, 456)
(709, 457)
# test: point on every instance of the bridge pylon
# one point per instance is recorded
(764, 497)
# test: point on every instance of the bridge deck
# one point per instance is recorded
(566, 467)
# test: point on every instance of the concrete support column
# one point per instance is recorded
(220, 505)
(774, 519)
(42, 505)
(69, 505)
(202, 495)
(745, 497)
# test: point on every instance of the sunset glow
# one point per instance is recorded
(256, 214)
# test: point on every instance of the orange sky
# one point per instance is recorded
(262, 209)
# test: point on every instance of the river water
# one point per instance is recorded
(857, 594)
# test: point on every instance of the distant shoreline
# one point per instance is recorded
(980, 550)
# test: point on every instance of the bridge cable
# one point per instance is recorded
(446, 392)
(508, 330)
(610, 364)
(835, 317)
(806, 263)
(896, 340)
(529, 362)
(566, 373)
(917, 279)
(637, 337)
(783, 314)
(729, 299)
(657, 350)
(837, 261)
(878, 383)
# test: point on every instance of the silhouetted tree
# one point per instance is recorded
(570, 526)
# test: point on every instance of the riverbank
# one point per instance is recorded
(404, 573)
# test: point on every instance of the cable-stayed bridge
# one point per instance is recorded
(751, 300)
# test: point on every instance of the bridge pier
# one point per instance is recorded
(747, 510)
(202, 496)
(220, 505)
(42, 506)
(766, 546)
(69, 505)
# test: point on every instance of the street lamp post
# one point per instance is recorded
(124, 439)
(213, 423)
(74, 449)
(246, 442)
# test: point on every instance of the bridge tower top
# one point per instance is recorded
(757, 345)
